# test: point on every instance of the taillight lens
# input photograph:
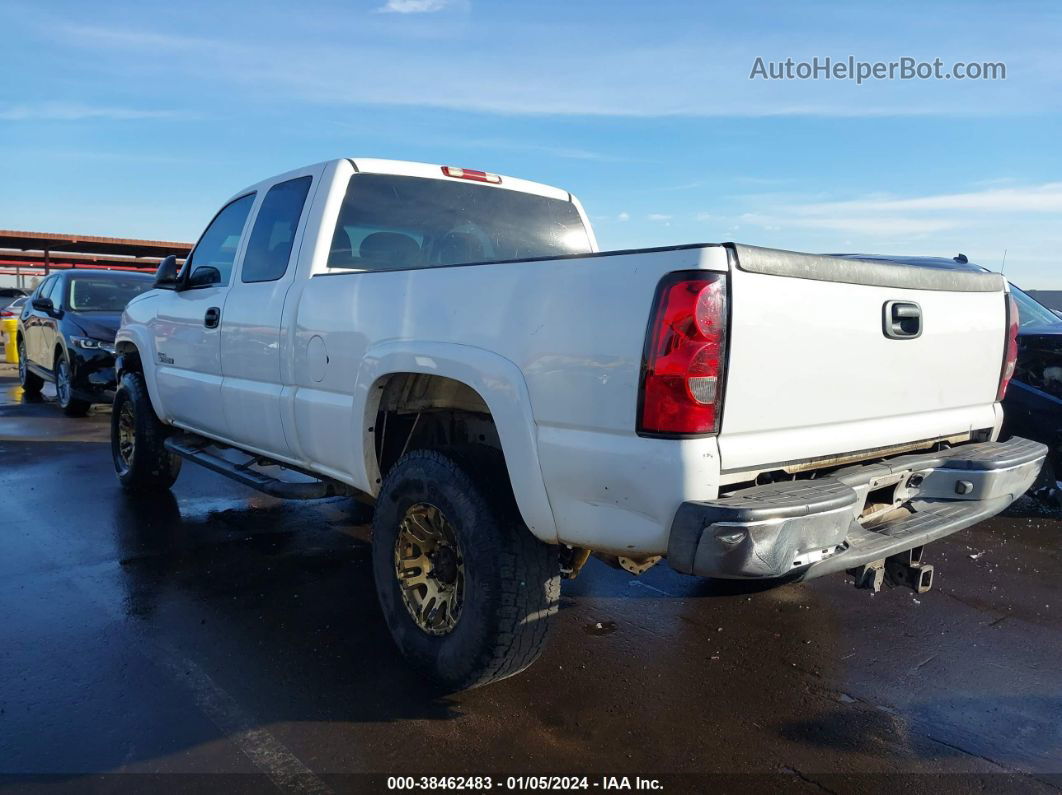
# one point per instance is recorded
(682, 371)
(1010, 352)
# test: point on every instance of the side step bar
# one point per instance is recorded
(198, 450)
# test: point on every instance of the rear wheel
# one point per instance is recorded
(64, 389)
(465, 589)
(31, 382)
(141, 460)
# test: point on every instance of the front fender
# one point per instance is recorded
(498, 381)
(139, 338)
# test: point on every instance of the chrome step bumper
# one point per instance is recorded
(807, 528)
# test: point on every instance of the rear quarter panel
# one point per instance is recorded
(574, 331)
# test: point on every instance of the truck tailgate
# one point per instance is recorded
(822, 362)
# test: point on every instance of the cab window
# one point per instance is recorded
(389, 222)
(52, 291)
(211, 261)
(269, 247)
(42, 289)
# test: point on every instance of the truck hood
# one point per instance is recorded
(1041, 331)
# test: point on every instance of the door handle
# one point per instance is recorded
(902, 320)
(212, 317)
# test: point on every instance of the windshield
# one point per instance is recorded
(1031, 312)
(389, 222)
(102, 294)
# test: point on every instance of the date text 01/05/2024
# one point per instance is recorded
(534, 783)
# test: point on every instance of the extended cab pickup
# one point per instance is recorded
(450, 347)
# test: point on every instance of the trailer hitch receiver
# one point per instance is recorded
(905, 569)
(908, 569)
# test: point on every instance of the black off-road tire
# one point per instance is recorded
(30, 381)
(150, 466)
(64, 394)
(512, 580)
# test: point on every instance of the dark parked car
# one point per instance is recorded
(66, 334)
(8, 295)
(1032, 407)
(14, 309)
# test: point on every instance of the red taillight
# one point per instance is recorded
(471, 173)
(682, 371)
(1010, 351)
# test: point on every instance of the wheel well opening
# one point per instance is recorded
(128, 358)
(418, 411)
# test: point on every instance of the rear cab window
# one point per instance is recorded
(269, 247)
(389, 222)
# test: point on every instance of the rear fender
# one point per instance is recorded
(501, 385)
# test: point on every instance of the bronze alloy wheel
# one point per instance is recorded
(430, 569)
(126, 434)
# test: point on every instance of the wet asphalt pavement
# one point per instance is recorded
(221, 631)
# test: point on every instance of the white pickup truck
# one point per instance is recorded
(449, 346)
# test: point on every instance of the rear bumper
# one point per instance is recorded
(808, 528)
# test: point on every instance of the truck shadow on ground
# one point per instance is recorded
(293, 599)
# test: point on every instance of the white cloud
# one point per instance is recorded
(658, 217)
(59, 111)
(477, 65)
(879, 216)
(624, 216)
(1045, 198)
(866, 225)
(413, 6)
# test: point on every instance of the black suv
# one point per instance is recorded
(66, 334)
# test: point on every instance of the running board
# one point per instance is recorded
(198, 450)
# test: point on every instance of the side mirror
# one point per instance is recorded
(43, 304)
(204, 276)
(166, 275)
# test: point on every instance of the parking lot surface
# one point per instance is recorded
(218, 631)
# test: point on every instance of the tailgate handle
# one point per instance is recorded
(902, 320)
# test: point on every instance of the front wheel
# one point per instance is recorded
(465, 589)
(141, 460)
(64, 389)
(30, 381)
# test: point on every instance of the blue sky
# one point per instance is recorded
(139, 119)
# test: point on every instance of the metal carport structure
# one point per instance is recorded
(32, 255)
